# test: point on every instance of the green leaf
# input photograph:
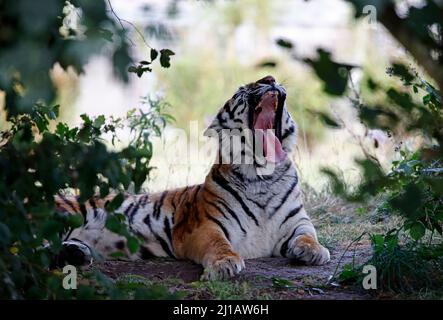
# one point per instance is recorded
(132, 69)
(154, 54)
(282, 283)
(348, 273)
(334, 75)
(401, 71)
(117, 255)
(326, 119)
(132, 244)
(284, 43)
(378, 242)
(113, 224)
(417, 230)
(99, 121)
(165, 55)
(115, 203)
(75, 220)
(267, 64)
(106, 34)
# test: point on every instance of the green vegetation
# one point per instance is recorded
(408, 257)
(39, 158)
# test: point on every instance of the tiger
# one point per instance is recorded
(241, 211)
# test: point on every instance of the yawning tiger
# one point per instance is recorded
(246, 208)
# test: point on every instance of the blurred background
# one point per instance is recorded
(220, 45)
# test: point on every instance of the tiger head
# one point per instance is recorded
(254, 127)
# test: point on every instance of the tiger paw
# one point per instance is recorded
(308, 250)
(223, 268)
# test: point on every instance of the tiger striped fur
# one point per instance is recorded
(235, 214)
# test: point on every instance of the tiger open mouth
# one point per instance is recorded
(266, 123)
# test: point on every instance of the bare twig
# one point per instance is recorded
(120, 21)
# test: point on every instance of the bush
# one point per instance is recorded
(39, 159)
(37, 163)
(412, 189)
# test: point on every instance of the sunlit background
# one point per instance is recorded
(220, 45)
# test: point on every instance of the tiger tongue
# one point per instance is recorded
(264, 123)
(273, 151)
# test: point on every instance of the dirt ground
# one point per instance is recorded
(265, 278)
(338, 225)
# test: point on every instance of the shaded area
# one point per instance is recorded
(261, 279)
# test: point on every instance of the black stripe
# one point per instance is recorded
(239, 176)
(128, 208)
(216, 207)
(68, 202)
(120, 244)
(232, 112)
(194, 210)
(285, 197)
(147, 221)
(284, 246)
(145, 253)
(158, 204)
(94, 206)
(69, 234)
(220, 118)
(230, 211)
(167, 229)
(84, 212)
(222, 182)
(136, 207)
(184, 192)
(180, 223)
(262, 206)
(145, 200)
(243, 109)
(220, 225)
(291, 214)
(163, 244)
(288, 132)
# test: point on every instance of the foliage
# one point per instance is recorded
(414, 186)
(37, 163)
(400, 268)
(412, 189)
(29, 47)
(40, 158)
(145, 66)
(418, 28)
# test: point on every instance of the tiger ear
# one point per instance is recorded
(213, 129)
(216, 124)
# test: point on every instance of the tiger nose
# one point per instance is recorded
(267, 80)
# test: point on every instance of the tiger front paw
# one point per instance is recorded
(223, 268)
(307, 249)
